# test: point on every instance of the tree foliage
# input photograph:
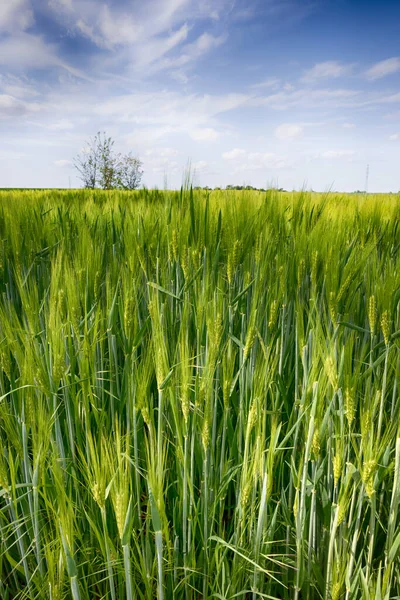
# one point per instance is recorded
(100, 167)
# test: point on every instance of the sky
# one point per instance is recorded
(288, 93)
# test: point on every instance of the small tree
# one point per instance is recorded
(108, 162)
(129, 172)
(87, 163)
(99, 166)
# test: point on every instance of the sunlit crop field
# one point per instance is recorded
(199, 395)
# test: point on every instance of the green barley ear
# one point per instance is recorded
(205, 433)
(185, 262)
(273, 314)
(5, 362)
(342, 510)
(245, 495)
(196, 258)
(337, 466)
(257, 250)
(331, 372)
(336, 588)
(372, 314)
(301, 272)
(129, 312)
(344, 287)
(314, 266)
(349, 405)
(316, 443)
(252, 417)
(4, 485)
(250, 337)
(366, 424)
(368, 475)
(174, 244)
(216, 332)
(282, 278)
(229, 268)
(333, 308)
(385, 325)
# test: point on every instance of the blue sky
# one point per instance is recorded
(262, 92)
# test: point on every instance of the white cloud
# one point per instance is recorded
(145, 33)
(271, 82)
(180, 76)
(154, 49)
(15, 15)
(264, 160)
(206, 134)
(143, 137)
(27, 51)
(162, 152)
(169, 112)
(17, 87)
(255, 161)
(384, 68)
(348, 125)
(289, 131)
(11, 107)
(62, 163)
(110, 27)
(336, 154)
(160, 160)
(317, 98)
(394, 137)
(200, 166)
(330, 69)
(192, 52)
(62, 125)
(234, 154)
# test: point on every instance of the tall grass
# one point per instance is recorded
(199, 396)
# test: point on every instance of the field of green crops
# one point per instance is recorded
(199, 396)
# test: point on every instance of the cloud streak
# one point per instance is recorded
(383, 68)
(15, 15)
(330, 69)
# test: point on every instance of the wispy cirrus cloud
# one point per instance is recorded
(330, 69)
(289, 131)
(15, 15)
(146, 34)
(315, 98)
(26, 51)
(11, 107)
(383, 68)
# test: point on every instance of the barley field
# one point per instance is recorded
(199, 395)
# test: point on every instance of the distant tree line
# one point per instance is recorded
(239, 187)
(100, 167)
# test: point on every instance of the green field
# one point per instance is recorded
(199, 395)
